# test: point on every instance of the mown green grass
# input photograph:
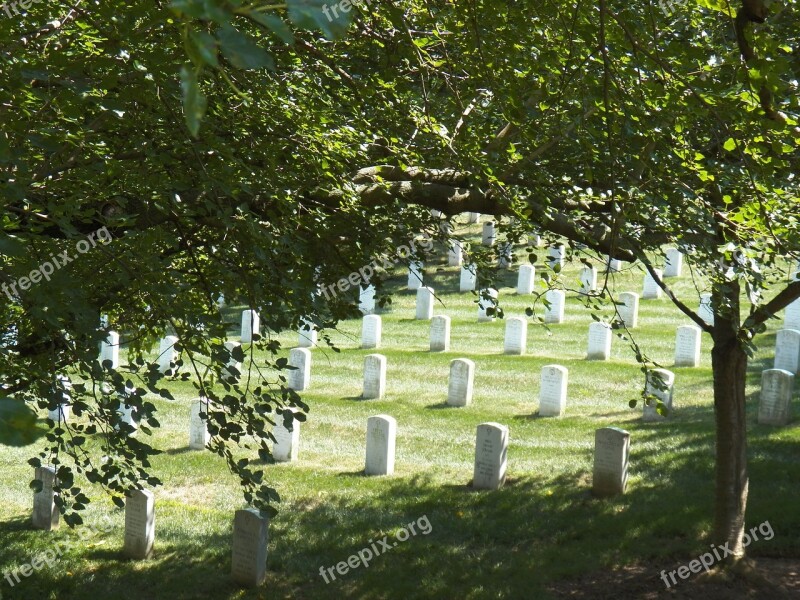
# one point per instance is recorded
(543, 526)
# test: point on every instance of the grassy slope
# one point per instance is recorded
(543, 526)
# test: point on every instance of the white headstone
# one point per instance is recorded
(534, 239)
(792, 316)
(374, 377)
(425, 299)
(599, 341)
(775, 404)
(166, 353)
(526, 279)
(516, 338)
(414, 275)
(249, 552)
(674, 263)
(455, 254)
(381, 433)
(651, 290)
(489, 235)
(469, 277)
(462, 376)
(366, 300)
(486, 300)
(125, 413)
(705, 311)
(198, 426)
(109, 349)
(371, 329)
(787, 350)
(440, 333)
(61, 413)
(140, 524)
(233, 367)
(687, 346)
(505, 255)
(555, 312)
(611, 452)
(299, 379)
(251, 325)
(588, 280)
(287, 443)
(553, 391)
(650, 412)
(613, 265)
(307, 335)
(629, 309)
(45, 512)
(491, 456)
(473, 217)
(555, 257)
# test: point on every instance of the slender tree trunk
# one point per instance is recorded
(729, 363)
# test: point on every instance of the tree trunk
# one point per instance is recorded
(729, 363)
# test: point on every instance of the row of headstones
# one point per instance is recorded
(250, 531)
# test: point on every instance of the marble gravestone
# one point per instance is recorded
(628, 309)
(491, 456)
(455, 255)
(307, 335)
(287, 442)
(381, 433)
(374, 377)
(473, 217)
(553, 391)
(469, 278)
(787, 350)
(45, 512)
(251, 326)
(61, 413)
(166, 353)
(705, 311)
(687, 346)
(366, 299)
(140, 525)
(775, 403)
(249, 548)
(198, 425)
(534, 239)
(415, 275)
(516, 337)
(440, 333)
(599, 341)
(792, 316)
(299, 378)
(588, 280)
(650, 412)
(526, 279)
(673, 263)
(486, 299)
(488, 237)
(555, 257)
(651, 290)
(505, 255)
(109, 349)
(461, 384)
(425, 297)
(371, 329)
(611, 453)
(613, 265)
(555, 312)
(233, 368)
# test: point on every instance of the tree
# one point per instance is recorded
(620, 129)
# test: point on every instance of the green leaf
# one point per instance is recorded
(730, 144)
(275, 24)
(17, 423)
(194, 102)
(241, 51)
(205, 47)
(327, 16)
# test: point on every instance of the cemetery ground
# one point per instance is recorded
(542, 535)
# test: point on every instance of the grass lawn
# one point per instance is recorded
(542, 528)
